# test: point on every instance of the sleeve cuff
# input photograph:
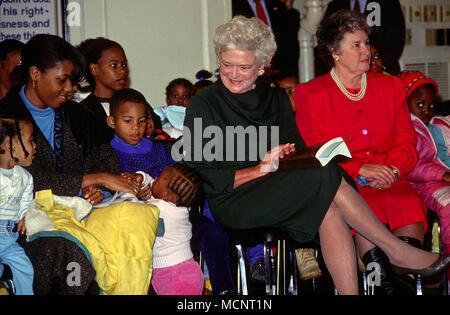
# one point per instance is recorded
(147, 178)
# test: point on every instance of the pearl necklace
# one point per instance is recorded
(351, 96)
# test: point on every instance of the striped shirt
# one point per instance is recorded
(16, 193)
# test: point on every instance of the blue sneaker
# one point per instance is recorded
(7, 278)
(258, 270)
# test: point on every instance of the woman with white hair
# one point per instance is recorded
(244, 191)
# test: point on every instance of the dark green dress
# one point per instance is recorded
(294, 201)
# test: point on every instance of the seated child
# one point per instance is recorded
(376, 63)
(431, 175)
(178, 93)
(203, 81)
(288, 82)
(17, 150)
(129, 119)
(10, 55)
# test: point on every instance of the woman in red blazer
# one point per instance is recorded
(368, 110)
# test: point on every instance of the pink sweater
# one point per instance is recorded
(427, 174)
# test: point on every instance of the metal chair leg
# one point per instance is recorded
(419, 285)
(293, 276)
(242, 281)
(444, 280)
(278, 268)
(267, 267)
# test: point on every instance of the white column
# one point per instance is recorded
(314, 10)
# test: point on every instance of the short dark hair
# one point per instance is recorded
(186, 184)
(279, 76)
(92, 50)
(127, 95)
(8, 46)
(179, 81)
(45, 51)
(333, 28)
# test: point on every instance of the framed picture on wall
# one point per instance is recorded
(22, 20)
(430, 13)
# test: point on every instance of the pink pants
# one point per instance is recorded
(185, 278)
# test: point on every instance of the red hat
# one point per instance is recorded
(414, 79)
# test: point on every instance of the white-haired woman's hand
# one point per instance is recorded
(267, 165)
(272, 158)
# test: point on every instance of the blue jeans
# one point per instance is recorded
(14, 256)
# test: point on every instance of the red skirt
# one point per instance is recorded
(397, 206)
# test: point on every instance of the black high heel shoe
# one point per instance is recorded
(440, 265)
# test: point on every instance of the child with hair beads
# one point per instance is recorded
(137, 153)
(178, 93)
(431, 175)
(17, 150)
(174, 192)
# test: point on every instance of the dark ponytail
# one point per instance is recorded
(92, 50)
(203, 81)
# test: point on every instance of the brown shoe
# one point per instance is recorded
(307, 264)
(440, 265)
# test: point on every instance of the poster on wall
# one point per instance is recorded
(22, 19)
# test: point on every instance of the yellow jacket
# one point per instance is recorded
(118, 237)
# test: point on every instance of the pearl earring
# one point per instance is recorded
(261, 72)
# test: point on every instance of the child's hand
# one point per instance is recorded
(21, 228)
(93, 194)
(145, 193)
(446, 177)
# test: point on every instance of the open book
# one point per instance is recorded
(317, 155)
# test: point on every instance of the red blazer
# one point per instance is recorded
(377, 129)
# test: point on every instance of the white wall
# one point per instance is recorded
(163, 39)
(433, 61)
